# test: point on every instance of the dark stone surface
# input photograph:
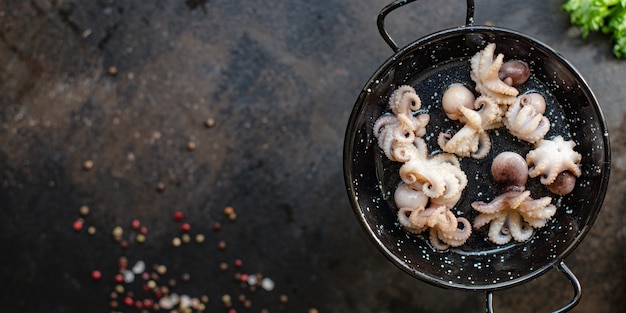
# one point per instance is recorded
(279, 78)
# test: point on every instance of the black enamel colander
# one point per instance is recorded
(431, 64)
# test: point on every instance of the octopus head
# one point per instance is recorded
(510, 169)
(514, 72)
(455, 97)
(537, 101)
(563, 184)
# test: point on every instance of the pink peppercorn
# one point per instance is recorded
(135, 224)
(185, 227)
(78, 225)
(178, 216)
(96, 275)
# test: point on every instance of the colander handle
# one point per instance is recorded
(572, 278)
(469, 19)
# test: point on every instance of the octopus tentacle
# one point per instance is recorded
(484, 146)
(484, 219)
(403, 219)
(539, 208)
(519, 229)
(457, 144)
(458, 236)
(404, 100)
(509, 199)
(498, 230)
(436, 241)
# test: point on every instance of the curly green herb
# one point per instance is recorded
(606, 16)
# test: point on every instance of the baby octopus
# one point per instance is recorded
(430, 187)
(400, 126)
(556, 162)
(525, 120)
(478, 115)
(486, 73)
(513, 214)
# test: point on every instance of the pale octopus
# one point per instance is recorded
(400, 126)
(525, 120)
(431, 186)
(513, 214)
(486, 74)
(556, 162)
(478, 115)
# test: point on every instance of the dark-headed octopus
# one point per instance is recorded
(513, 214)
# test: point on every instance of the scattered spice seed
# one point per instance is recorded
(135, 224)
(78, 225)
(118, 232)
(313, 310)
(226, 300)
(229, 210)
(223, 266)
(125, 244)
(221, 245)
(171, 283)
(267, 284)
(148, 303)
(247, 304)
(178, 216)
(122, 263)
(217, 226)
(244, 278)
(186, 238)
(238, 263)
(176, 242)
(185, 227)
(241, 298)
(160, 187)
(129, 277)
(161, 269)
(232, 217)
(283, 298)
(210, 122)
(143, 230)
(139, 267)
(191, 146)
(252, 280)
(119, 289)
(84, 210)
(151, 284)
(199, 238)
(112, 70)
(140, 238)
(96, 275)
(91, 230)
(128, 301)
(113, 304)
(186, 277)
(88, 165)
(166, 303)
(204, 299)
